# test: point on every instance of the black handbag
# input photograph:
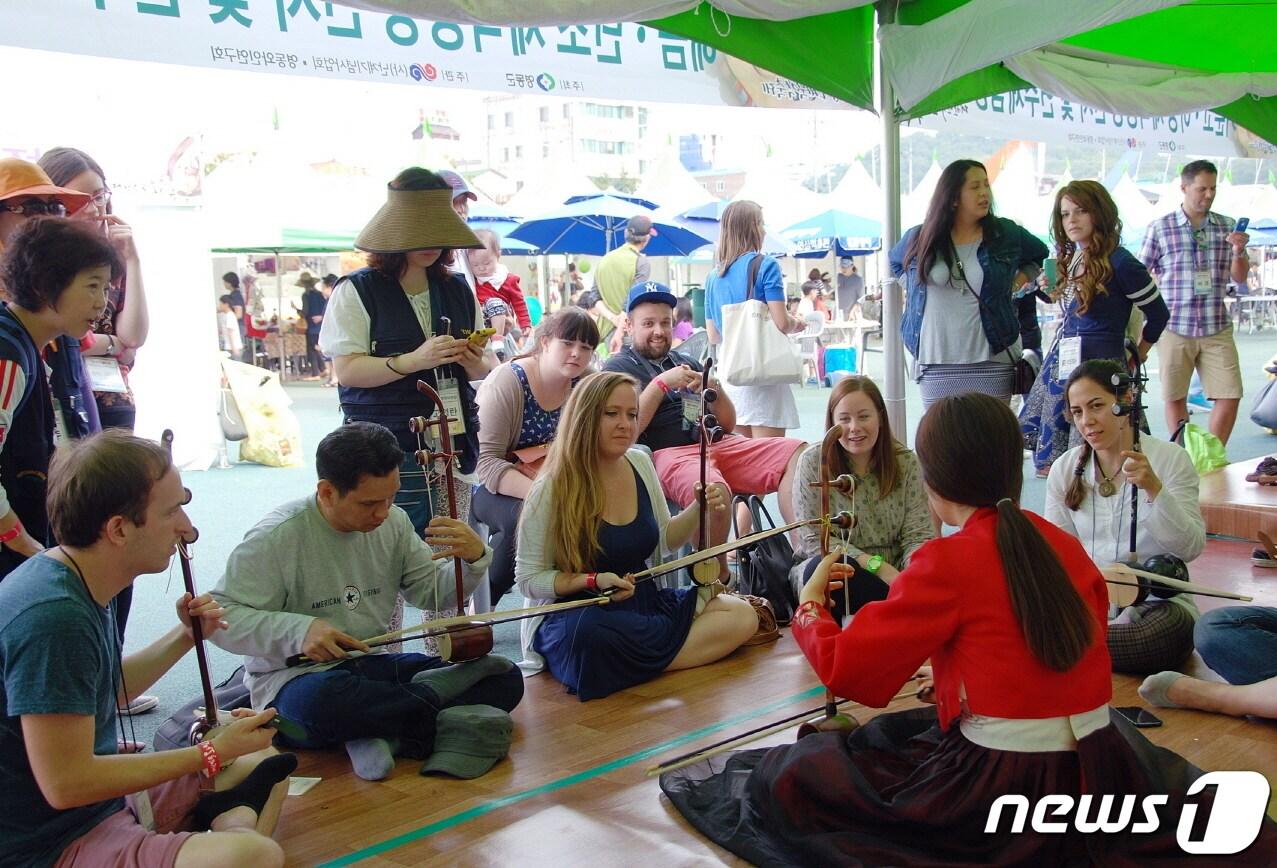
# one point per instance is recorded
(763, 567)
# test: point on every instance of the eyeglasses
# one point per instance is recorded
(35, 207)
(102, 198)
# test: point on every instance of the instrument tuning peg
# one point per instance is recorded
(418, 424)
(845, 484)
(710, 395)
(424, 457)
(843, 520)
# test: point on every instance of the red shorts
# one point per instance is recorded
(749, 465)
(121, 841)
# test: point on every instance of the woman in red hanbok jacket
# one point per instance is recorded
(1011, 613)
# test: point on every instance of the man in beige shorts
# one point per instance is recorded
(1193, 253)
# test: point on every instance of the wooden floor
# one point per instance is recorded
(1232, 506)
(573, 791)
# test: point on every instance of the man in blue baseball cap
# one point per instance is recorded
(670, 379)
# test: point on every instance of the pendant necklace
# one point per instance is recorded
(1105, 485)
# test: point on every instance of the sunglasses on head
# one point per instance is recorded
(35, 208)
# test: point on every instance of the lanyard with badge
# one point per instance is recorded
(1202, 284)
(690, 404)
(1070, 348)
(449, 390)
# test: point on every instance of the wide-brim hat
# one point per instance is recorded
(22, 178)
(416, 220)
(306, 280)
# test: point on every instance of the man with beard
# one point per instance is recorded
(670, 399)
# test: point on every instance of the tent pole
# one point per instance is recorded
(892, 297)
(279, 313)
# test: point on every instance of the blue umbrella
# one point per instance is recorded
(646, 203)
(597, 225)
(503, 228)
(845, 233)
(708, 211)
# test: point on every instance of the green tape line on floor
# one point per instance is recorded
(564, 782)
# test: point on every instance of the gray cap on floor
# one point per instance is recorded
(469, 740)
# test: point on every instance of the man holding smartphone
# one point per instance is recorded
(1193, 253)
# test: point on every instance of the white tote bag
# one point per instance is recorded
(753, 351)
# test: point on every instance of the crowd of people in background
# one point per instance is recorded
(577, 455)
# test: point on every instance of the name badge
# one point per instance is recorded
(105, 374)
(691, 409)
(450, 393)
(1202, 283)
(1070, 356)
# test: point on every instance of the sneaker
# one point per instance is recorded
(1261, 558)
(142, 704)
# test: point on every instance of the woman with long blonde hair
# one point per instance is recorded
(1097, 286)
(761, 411)
(595, 516)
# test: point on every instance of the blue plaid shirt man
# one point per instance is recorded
(1174, 252)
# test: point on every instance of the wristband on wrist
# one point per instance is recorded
(393, 369)
(12, 533)
(212, 762)
(592, 582)
(86, 342)
(660, 384)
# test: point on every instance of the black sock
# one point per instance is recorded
(252, 792)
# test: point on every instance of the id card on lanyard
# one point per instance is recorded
(450, 391)
(1070, 356)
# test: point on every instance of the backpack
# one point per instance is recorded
(763, 567)
(175, 732)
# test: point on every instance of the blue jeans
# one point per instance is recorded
(374, 697)
(1239, 642)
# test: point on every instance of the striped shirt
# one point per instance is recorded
(1173, 252)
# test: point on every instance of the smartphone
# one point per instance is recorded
(1242, 224)
(1140, 717)
(480, 337)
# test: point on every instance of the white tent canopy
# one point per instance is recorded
(857, 193)
(549, 190)
(784, 202)
(671, 186)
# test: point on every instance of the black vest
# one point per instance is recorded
(24, 462)
(394, 330)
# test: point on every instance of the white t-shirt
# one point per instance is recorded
(347, 328)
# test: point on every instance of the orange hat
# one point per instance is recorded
(20, 178)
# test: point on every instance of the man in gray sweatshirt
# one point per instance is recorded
(318, 573)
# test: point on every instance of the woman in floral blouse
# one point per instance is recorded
(889, 504)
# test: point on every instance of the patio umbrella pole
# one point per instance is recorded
(892, 300)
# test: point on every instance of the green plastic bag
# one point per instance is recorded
(1204, 448)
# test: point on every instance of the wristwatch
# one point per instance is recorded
(873, 564)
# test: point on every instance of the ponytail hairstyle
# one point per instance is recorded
(1101, 373)
(971, 452)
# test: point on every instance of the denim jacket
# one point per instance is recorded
(1007, 248)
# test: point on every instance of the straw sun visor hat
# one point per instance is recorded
(416, 220)
(20, 178)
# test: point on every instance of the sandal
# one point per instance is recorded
(1265, 473)
(1261, 558)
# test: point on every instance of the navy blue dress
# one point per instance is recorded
(597, 651)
